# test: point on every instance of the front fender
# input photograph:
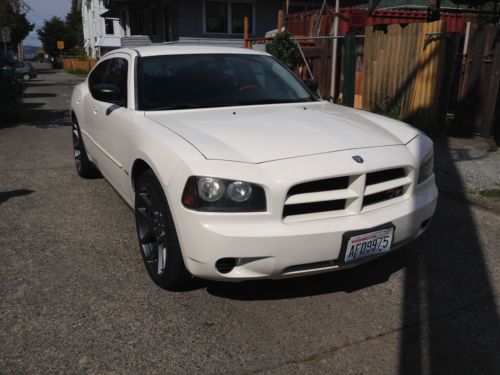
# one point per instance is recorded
(161, 149)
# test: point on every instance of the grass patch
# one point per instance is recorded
(490, 193)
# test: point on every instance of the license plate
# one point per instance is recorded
(366, 244)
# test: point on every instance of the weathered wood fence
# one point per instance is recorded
(413, 71)
(404, 72)
(478, 93)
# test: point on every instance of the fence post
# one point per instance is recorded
(349, 69)
(489, 110)
(245, 32)
(280, 20)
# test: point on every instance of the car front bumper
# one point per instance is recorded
(269, 248)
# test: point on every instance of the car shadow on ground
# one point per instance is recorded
(449, 310)
(374, 272)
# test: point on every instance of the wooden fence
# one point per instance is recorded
(404, 72)
(78, 65)
(478, 93)
(413, 71)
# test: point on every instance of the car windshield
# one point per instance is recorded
(215, 80)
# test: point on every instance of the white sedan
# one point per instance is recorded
(236, 170)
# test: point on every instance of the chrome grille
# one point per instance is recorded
(345, 195)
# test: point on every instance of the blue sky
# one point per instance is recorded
(42, 10)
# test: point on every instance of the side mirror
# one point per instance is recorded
(311, 84)
(105, 92)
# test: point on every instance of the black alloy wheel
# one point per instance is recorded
(157, 236)
(84, 166)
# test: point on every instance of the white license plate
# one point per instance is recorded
(366, 244)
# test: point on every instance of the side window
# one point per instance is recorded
(98, 75)
(117, 75)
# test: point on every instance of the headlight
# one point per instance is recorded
(239, 191)
(426, 167)
(219, 195)
(210, 189)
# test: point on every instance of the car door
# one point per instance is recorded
(118, 121)
(92, 116)
(105, 117)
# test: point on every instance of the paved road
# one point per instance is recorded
(75, 297)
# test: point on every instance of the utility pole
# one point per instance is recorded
(20, 51)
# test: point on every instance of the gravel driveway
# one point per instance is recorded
(469, 167)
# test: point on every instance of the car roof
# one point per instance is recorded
(175, 49)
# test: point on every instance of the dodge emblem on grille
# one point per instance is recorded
(358, 159)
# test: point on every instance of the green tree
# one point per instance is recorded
(11, 16)
(52, 31)
(70, 31)
(74, 26)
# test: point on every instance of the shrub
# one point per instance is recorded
(284, 49)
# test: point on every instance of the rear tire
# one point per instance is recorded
(26, 77)
(84, 166)
(157, 236)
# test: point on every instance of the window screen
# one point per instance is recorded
(238, 12)
(110, 30)
(216, 16)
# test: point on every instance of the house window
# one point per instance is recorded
(109, 26)
(216, 16)
(138, 26)
(228, 16)
(153, 21)
(123, 22)
(238, 13)
(166, 23)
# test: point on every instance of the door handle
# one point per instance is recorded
(95, 111)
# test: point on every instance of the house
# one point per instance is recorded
(197, 21)
(101, 33)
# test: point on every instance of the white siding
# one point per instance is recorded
(94, 27)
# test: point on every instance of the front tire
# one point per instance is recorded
(157, 236)
(26, 77)
(84, 166)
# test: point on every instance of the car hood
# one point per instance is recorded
(258, 134)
